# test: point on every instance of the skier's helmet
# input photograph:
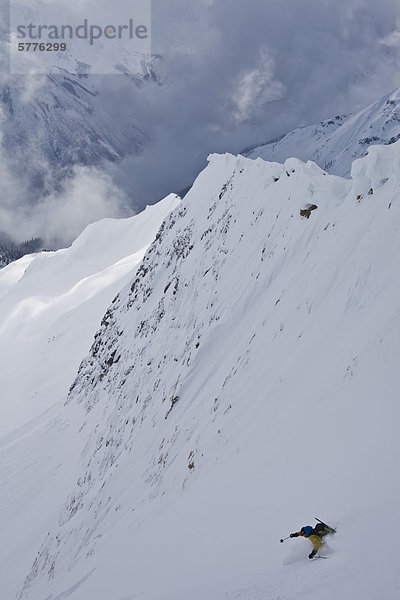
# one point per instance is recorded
(306, 530)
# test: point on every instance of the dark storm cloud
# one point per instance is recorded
(239, 73)
(236, 73)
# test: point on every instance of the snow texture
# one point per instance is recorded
(244, 381)
(51, 304)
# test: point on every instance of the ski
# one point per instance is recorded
(326, 525)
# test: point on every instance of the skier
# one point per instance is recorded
(314, 535)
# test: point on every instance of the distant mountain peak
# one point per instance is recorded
(334, 143)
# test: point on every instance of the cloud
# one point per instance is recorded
(256, 87)
(87, 196)
(235, 74)
(59, 217)
(392, 40)
(63, 210)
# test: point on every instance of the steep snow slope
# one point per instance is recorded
(243, 382)
(335, 143)
(52, 303)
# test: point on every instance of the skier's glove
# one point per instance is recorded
(313, 553)
(294, 535)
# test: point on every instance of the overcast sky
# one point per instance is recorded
(236, 73)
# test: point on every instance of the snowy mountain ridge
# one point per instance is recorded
(65, 116)
(52, 303)
(231, 390)
(335, 143)
(67, 121)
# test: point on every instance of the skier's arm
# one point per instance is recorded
(295, 534)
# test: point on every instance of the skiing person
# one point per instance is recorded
(314, 535)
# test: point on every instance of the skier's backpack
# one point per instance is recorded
(321, 529)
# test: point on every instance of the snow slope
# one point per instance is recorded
(243, 382)
(335, 143)
(51, 304)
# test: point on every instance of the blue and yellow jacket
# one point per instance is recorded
(314, 535)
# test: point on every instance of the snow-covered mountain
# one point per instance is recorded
(243, 381)
(335, 143)
(51, 304)
(63, 115)
(66, 122)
